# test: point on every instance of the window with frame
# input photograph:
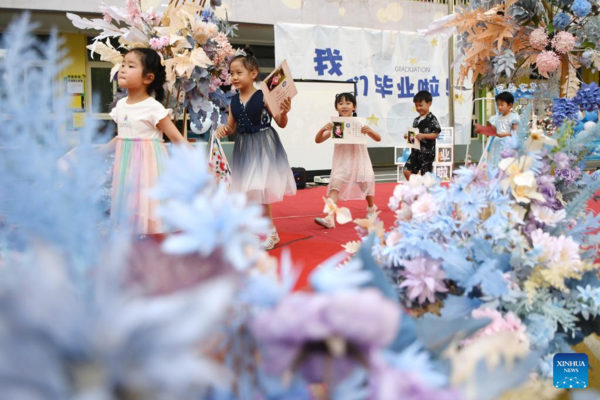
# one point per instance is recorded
(101, 90)
(99, 86)
(37, 66)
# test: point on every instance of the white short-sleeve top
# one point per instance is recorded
(139, 120)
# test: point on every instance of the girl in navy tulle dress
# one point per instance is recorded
(260, 167)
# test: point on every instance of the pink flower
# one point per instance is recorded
(159, 43)
(563, 42)
(538, 39)
(133, 10)
(226, 77)
(500, 323)
(547, 62)
(215, 83)
(424, 278)
(424, 207)
(556, 250)
(106, 16)
(151, 17)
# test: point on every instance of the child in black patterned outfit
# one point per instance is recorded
(421, 161)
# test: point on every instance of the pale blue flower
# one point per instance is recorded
(136, 344)
(473, 204)
(546, 367)
(561, 20)
(417, 360)
(214, 221)
(263, 290)
(540, 330)
(581, 8)
(588, 301)
(51, 196)
(329, 277)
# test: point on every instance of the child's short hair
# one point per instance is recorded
(506, 97)
(423, 95)
(248, 60)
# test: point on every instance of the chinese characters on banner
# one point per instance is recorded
(389, 68)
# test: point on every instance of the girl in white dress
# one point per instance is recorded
(352, 176)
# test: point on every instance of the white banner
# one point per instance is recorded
(389, 69)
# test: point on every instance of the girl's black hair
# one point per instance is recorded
(506, 97)
(249, 61)
(152, 64)
(346, 96)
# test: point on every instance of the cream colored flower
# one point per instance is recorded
(372, 224)
(518, 214)
(547, 215)
(352, 247)
(342, 214)
(184, 64)
(537, 140)
(521, 180)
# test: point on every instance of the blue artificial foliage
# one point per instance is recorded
(456, 307)
(561, 20)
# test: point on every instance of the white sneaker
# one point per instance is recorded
(324, 222)
(371, 212)
(270, 241)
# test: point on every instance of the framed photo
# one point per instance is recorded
(446, 137)
(444, 154)
(400, 174)
(411, 139)
(278, 86)
(443, 171)
(401, 155)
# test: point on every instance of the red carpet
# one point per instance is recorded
(309, 243)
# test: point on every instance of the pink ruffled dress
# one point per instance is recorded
(139, 160)
(352, 172)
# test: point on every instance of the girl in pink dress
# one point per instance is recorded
(139, 148)
(352, 176)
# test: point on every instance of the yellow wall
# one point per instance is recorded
(75, 44)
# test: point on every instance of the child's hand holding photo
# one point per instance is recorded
(366, 130)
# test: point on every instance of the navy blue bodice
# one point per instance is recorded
(252, 116)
